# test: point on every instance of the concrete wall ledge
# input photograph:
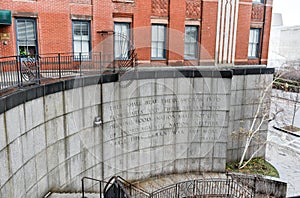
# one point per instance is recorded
(26, 94)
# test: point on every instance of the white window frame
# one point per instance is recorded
(158, 42)
(28, 43)
(81, 39)
(257, 1)
(191, 42)
(121, 40)
(254, 43)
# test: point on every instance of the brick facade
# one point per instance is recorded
(54, 27)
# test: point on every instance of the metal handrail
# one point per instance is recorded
(112, 181)
(209, 188)
(290, 85)
(19, 71)
(93, 179)
(133, 187)
(214, 186)
(288, 80)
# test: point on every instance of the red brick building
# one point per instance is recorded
(173, 32)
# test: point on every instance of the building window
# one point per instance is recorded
(258, 1)
(122, 41)
(26, 36)
(191, 42)
(158, 45)
(254, 40)
(81, 39)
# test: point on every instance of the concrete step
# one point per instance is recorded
(74, 195)
(156, 183)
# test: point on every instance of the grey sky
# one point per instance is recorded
(290, 10)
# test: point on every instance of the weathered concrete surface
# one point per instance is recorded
(283, 149)
(150, 126)
(283, 152)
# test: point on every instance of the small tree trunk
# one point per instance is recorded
(295, 111)
(244, 152)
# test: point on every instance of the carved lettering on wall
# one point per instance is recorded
(161, 104)
(137, 119)
(209, 135)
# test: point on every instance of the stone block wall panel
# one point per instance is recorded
(180, 125)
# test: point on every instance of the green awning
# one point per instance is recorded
(5, 17)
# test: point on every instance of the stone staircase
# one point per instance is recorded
(160, 182)
(74, 195)
(212, 184)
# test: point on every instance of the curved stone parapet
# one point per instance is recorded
(150, 122)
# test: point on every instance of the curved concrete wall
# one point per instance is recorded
(154, 122)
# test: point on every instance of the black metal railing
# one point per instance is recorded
(133, 190)
(18, 71)
(117, 187)
(287, 85)
(92, 185)
(9, 75)
(260, 185)
(204, 187)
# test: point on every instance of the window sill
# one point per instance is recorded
(253, 58)
(26, 0)
(257, 3)
(190, 59)
(123, 1)
(158, 59)
(121, 59)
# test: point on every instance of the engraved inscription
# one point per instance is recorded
(151, 105)
(159, 119)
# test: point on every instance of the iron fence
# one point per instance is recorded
(133, 190)
(204, 188)
(92, 185)
(287, 85)
(213, 187)
(9, 75)
(260, 185)
(116, 189)
(18, 71)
